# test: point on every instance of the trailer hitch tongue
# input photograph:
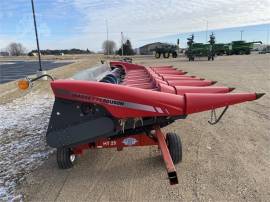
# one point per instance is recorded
(172, 175)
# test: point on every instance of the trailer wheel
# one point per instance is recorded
(65, 158)
(166, 54)
(174, 54)
(157, 55)
(174, 146)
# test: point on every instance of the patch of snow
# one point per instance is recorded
(23, 125)
(6, 63)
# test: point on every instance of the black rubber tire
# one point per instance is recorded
(213, 58)
(157, 55)
(166, 54)
(174, 54)
(63, 157)
(174, 146)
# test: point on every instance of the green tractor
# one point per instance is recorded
(240, 47)
(166, 50)
(200, 49)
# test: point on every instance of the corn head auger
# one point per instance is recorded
(128, 107)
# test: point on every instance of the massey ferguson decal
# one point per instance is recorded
(102, 100)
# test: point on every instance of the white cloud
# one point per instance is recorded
(144, 19)
(141, 19)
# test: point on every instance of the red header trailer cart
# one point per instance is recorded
(128, 107)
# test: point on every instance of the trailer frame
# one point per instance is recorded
(156, 138)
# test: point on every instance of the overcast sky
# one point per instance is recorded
(82, 23)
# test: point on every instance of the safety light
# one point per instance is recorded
(23, 84)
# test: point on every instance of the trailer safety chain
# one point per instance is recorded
(214, 120)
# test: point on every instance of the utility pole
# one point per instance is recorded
(122, 41)
(206, 32)
(267, 35)
(35, 25)
(107, 30)
(178, 46)
(242, 34)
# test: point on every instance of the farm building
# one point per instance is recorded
(4, 53)
(148, 49)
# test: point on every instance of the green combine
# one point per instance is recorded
(221, 49)
(240, 47)
(200, 49)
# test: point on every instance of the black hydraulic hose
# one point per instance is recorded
(39, 77)
(114, 76)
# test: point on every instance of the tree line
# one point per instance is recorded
(108, 47)
(60, 52)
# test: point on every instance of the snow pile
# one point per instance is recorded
(23, 126)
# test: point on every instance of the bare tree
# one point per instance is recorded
(108, 47)
(16, 49)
